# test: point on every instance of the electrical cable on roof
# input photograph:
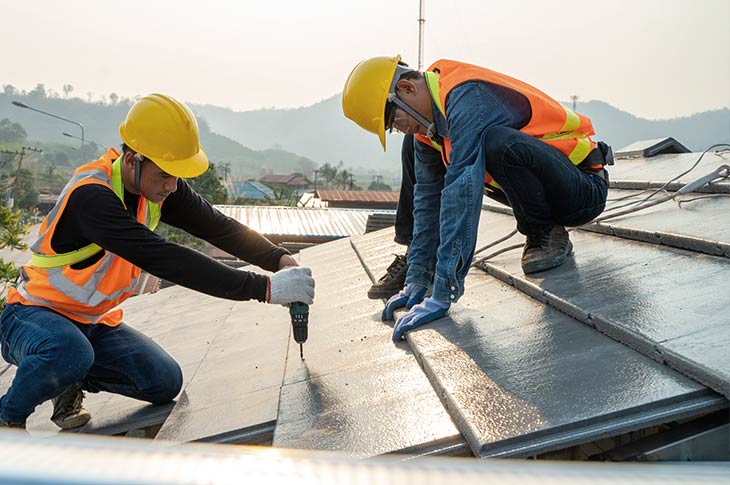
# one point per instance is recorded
(660, 189)
(708, 196)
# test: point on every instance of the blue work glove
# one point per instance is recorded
(428, 311)
(409, 296)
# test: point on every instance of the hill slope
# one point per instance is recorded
(322, 133)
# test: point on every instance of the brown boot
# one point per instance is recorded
(393, 281)
(546, 250)
(67, 409)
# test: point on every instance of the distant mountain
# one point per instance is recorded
(322, 133)
(319, 132)
(619, 128)
(289, 140)
(101, 126)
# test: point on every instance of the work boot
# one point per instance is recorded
(9, 424)
(546, 250)
(393, 281)
(67, 410)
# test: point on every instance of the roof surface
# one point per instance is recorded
(631, 332)
(313, 224)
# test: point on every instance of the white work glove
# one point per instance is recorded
(294, 283)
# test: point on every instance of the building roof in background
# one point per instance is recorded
(300, 224)
(250, 189)
(290, 180)
(357, 195)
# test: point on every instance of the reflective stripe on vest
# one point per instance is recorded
(551, 122)
(66, 259)
(87, 295)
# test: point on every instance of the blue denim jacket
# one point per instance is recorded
(447, 200)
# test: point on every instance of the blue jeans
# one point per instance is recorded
(53, 353)
(404, 213)
(540, 183)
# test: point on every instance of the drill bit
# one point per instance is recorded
(301, 351)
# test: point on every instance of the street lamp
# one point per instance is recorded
(77, 138)
(23, 105)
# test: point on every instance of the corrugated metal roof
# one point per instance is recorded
(357, 196)
(284, 179)
(300, 223)
(250, 189)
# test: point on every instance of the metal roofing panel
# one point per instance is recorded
(355, 391)
(300, 221)
(703, 219)
(666, 167)
(521, 378)
(358, 195)
(641, 294)
(172, 318)
(235, 389)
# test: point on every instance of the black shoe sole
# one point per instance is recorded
(545, 264)
(379, 294)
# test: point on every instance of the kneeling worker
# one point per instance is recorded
(61, 327)
(478, 128)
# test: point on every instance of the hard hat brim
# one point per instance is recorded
(188, 168)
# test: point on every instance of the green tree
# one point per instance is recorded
(12, 230)
(210, 186)
(12, 133)
(25, 192)
(328, 173)
(380, 185)
(38, 92)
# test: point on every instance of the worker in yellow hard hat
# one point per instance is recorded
(476, 129)
(61, 326)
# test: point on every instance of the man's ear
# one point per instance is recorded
(128, 158)
(406, 85)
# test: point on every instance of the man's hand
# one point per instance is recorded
(428, 311)
(291, 284)
(407, 297)
(287, 260)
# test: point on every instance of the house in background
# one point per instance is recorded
(350, 199)
(293, 183)
(249, 189)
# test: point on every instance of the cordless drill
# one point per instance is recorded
(299, 319)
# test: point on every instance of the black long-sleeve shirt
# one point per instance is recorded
(95, 214)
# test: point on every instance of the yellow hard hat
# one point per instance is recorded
(366, 94)
(165, 130)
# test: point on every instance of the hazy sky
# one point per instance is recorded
(652, 58)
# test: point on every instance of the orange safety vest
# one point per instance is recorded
(87, 295)
(551, 122)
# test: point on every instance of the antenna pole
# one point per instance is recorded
(421, 21)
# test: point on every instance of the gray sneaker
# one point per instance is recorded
(67, 409)
(392, 281)
(546, 250)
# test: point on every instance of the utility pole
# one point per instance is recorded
(421, 21)
(226, 170)
(574, 98)
(316, 171)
